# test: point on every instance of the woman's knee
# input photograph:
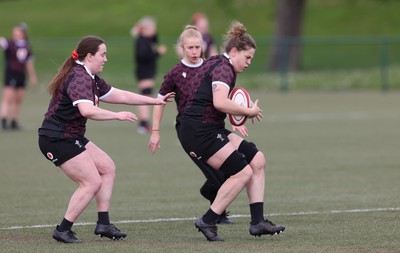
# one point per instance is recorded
(108, 169)
(92, 185)
(259, 162)
(103, 162)
(246, 173)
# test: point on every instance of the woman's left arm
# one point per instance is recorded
(118, 96)
(30, 67)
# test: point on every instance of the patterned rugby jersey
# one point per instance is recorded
(178, 80)
(200, 107)
(63, 119)
(17, 54)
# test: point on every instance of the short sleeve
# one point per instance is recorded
(79, 88)
(223, 74)
(103, 87)
(168, 84)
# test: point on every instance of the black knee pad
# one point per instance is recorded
(147, 91)
(249, 149)
(233, 164)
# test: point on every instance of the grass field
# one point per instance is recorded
(332, 180)
(333, 157)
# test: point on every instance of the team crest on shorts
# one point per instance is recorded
(193, 154)
(50, 155)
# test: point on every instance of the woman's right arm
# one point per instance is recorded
(222, 103)
(118, 96)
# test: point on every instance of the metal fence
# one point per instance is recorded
(350, 62)
(343, 54)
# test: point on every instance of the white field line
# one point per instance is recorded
(388, 209)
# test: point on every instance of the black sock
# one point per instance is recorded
(65, 225)
(257, 212)
(4, 123)
(144, 123)
(210, 217)
(103, 218)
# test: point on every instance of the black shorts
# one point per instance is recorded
(15, 80)
(143, 74)
(215, 176)
(202, 141)
(59, 151)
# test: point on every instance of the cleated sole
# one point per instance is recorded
(112, 238)
(260, 234)
(109, 231)
(216, 239)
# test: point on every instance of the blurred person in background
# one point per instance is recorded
(146, 53)
(178, 80)
(201, 22)
(76, 91)
(18, 63)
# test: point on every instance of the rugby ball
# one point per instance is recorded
(241, 97)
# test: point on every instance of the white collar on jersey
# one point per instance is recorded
(192, 65)
(227, 56)
(87, 70)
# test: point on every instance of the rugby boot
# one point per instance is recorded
(109, 231)
(209, 231)
(15, 125)
(4, 125)
(265, 228)
(65, 236)
(224, 219)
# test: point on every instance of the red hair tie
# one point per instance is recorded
(75, 55)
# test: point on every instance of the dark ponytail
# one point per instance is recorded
(87, 45)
